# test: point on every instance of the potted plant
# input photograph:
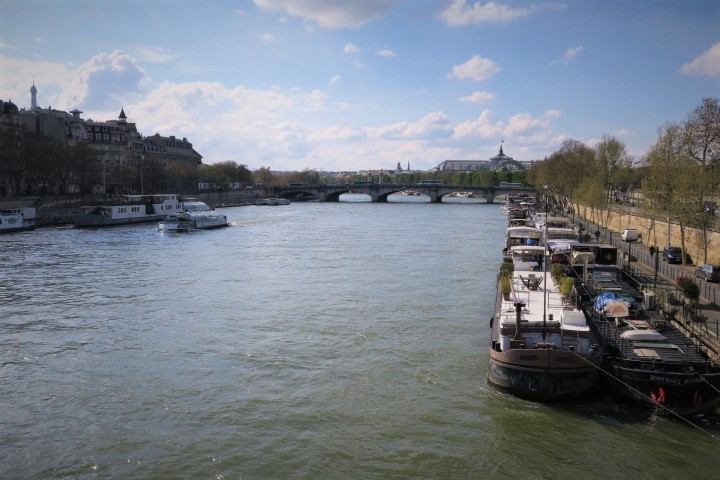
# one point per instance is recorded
(557, 271)
(505, 286)
(507, 268)
(566, 286)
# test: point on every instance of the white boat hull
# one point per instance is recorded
(17, 220)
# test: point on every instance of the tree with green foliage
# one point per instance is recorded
(569, 172)
(264, 176)
(701, 144)
(224, 175)
(43, 157)
(12, 162)
(671, 180)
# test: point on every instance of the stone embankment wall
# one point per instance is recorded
(655, 232)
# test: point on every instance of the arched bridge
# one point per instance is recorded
(380, 192)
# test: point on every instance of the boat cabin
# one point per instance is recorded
(516, 236)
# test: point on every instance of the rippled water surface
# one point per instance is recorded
(305, 341)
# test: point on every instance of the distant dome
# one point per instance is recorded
(501, 162)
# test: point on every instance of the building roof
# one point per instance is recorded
(497, 163)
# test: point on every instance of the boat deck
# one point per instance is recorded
(675, 349)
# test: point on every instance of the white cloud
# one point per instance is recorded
(386, 52)
(459, 13)
(523, 122)
(478, 97)
(39, 40)
(552, 114)
(477, 68)
(342, 133)
(331, 13)
(526, 129)
(432, 125)
(268, 37)
(284, 128)
(17, 76)
(520, 129)
(254, 127)
(7, 47)
(708, 63)
(569, 54)
(104, 81)
(484, 127)
(156, 55)
(350, 48)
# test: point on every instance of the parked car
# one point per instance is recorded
(672, 254)
(711, 273)
(629, 235)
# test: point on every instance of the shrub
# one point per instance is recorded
(505, 285)
(557, 270)
(566, 285)
(689, 288)
(507, 267)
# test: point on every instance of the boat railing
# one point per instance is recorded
(570, 339)
(521, 294)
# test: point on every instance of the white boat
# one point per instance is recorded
(176, 222)
(542, 347)
(128, 209)
(17, 219)
(196, 215)
(522, 235)
(557, 227)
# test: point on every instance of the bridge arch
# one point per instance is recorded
(380, 192)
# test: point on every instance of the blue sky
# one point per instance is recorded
(349, 85)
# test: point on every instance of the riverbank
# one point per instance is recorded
(55, 209)
(653, 231)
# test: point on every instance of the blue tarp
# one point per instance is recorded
(603, 299)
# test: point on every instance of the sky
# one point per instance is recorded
(346, 85)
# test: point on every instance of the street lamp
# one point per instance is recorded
(656, 254)
(627, 263)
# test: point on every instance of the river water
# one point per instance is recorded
(314, 340)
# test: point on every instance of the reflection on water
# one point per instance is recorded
(355, 197)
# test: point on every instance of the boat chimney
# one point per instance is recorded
(518, 317)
